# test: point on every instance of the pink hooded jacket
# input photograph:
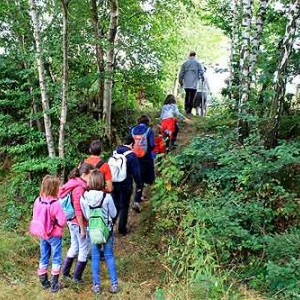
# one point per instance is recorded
(77, 186)
(57, 215)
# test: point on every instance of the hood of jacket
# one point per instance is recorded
(121, 149)
(70, 185)
(93, 197)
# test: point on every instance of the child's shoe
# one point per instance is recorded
(96, 289)
(114, 289)
(55, 285)
(137, 207)
(44, 281)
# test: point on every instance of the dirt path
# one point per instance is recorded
(140, 273)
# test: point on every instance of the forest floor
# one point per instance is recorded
(141, 275)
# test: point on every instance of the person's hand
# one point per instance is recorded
(82, 233)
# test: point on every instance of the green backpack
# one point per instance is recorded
(98, 228)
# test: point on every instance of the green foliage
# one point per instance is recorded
(222, 200)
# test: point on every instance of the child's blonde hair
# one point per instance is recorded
(96, 180)
(156, 129)
(50, 186)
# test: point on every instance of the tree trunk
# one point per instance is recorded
(176, 85)
(234, 53)
(99, 55)
(109, 66)
(243, 127)
(65, 72)
(256, 41)
(280, 76)
(42, 79)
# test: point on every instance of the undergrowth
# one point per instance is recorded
(225, 214)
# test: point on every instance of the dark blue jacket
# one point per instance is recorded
(133, 168)
(146, 163)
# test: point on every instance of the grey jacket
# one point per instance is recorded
(190, 73)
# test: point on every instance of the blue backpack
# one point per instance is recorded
(67, 206)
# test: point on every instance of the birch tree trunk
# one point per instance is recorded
(65, 72)
(280, 76)
(256, 41)
(243, 128)
(176, 84)
(42, 80)
(99, 54)
(234, 53)
(108, 82)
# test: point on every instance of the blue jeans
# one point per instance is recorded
(47, 247)
(108, 249)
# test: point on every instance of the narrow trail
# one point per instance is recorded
(140, 273)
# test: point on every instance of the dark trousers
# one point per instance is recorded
(189, 100)
(121, 195)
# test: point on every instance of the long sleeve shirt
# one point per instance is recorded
(170, 111)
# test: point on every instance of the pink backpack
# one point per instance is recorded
(41, 224)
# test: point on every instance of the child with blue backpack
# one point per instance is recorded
(79, 248)
(47, 223)
(101, 233)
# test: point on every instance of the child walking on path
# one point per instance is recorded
(123, 190)
(169, 125)
(160, 147)
(146, 162)
(77, 184)
(48, 222)
(93, 198)
(95, 160)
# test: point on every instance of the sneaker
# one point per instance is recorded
(96, 289)
(145, 199)
(78, 281)
(55, 287)
(137, 207)
(114, 289)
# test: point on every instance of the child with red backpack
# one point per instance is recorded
(160, 147)
(143, 145)
(47, 223)
(169, 124)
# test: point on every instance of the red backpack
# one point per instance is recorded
(41, 224)
(140, 146)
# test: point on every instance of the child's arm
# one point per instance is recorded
(111, 207)
(60, 215)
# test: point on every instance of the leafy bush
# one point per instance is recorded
(216, 203)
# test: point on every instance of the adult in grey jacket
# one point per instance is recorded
(190, 73)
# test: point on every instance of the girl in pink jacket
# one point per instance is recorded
(47, 223)
(79, 247)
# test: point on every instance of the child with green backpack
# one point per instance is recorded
(99, 209)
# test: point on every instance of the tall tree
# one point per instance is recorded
(42, 79)
(65, 72)
(243, 129)
(234, 51)
(256, 41)
(99, 36)
(280, 77)
(109, 65)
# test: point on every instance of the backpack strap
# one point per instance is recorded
(127, 152)
(101, 203)
(99, 164)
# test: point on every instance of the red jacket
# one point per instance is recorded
(78, 187)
